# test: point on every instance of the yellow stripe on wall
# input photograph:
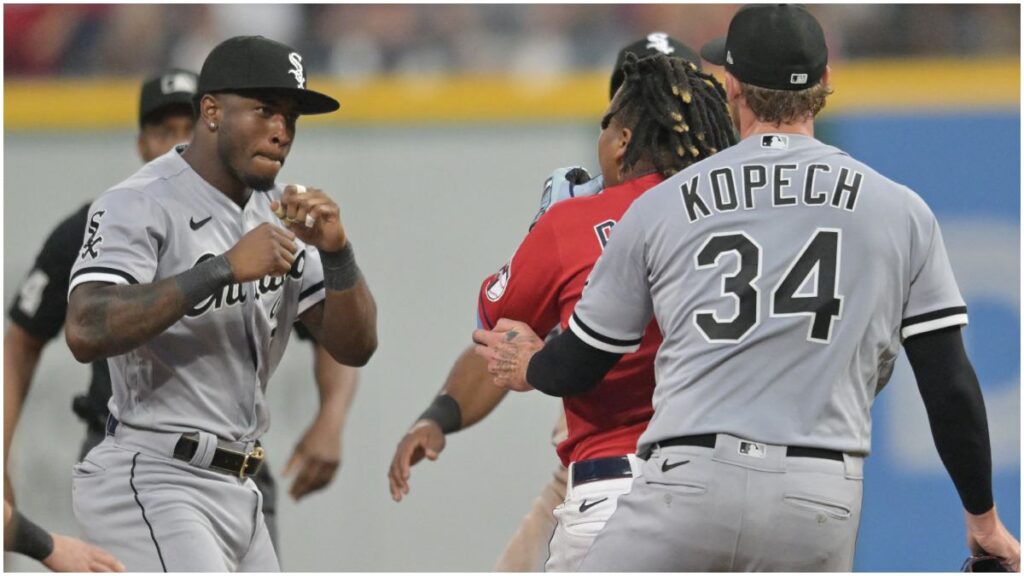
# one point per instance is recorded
(940, 84)
(930, 84)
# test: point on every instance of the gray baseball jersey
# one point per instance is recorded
(784, 275)
(210, 369)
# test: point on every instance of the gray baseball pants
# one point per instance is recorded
(720, 509)
(158, 514)
(264, 481)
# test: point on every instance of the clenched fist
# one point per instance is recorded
(265, 250)
(312, 216)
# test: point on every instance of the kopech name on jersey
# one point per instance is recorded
(729, 188)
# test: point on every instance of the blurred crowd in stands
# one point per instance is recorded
(357, 40)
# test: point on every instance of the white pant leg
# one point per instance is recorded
(581, 518)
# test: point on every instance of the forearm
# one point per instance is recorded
(568, 366)
(106, 320)
(956, 413)
(468, 383)
(21, 356)
(348, 329)
(337, 385)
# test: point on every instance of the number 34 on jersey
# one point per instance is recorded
(808, 287)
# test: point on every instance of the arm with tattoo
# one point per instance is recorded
(106, 320)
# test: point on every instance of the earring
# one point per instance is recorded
(213, 126)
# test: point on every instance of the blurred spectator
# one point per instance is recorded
(214, 23)
(360, 40)
(138, 26)
(42, 38)
(542, 48)
(364, 39)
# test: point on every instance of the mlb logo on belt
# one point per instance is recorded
(752, 449)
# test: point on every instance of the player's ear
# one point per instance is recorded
(825, 77)
(210, 109)
(732, 87)
(622, 143)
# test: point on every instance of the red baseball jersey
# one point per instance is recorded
(541, 284)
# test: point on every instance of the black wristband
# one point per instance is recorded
(205, 278)
(446, 412)
(340, 269)
(29, 539)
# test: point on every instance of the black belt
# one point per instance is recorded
(241, 464)
(601, 469)
(708, 441)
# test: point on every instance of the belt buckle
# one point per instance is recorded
(256, 452)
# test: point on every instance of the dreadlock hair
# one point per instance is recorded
(677, 113)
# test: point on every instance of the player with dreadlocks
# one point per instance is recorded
(666, 116)
(678, 114)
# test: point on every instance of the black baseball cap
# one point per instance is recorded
(255, 63)
(775, 46)
(172, 88)
(654, 43)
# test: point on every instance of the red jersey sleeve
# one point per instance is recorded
(526, 288)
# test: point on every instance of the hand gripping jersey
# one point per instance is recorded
(784, 275)
(541, 284)
(210, 369)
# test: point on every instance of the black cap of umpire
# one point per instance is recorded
(173, 88)
(775, 46)
(654, 43)
(255, 63)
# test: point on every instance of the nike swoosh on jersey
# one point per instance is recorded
(665, 466)
(587, 506)
(197, 225)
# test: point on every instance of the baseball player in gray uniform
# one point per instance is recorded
(37, 312)
(190, 276)
(785, 275)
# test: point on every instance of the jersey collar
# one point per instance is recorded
(637, 185)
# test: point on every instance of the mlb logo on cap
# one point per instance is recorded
(798, 79)
(178, 82)
(171, 89)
